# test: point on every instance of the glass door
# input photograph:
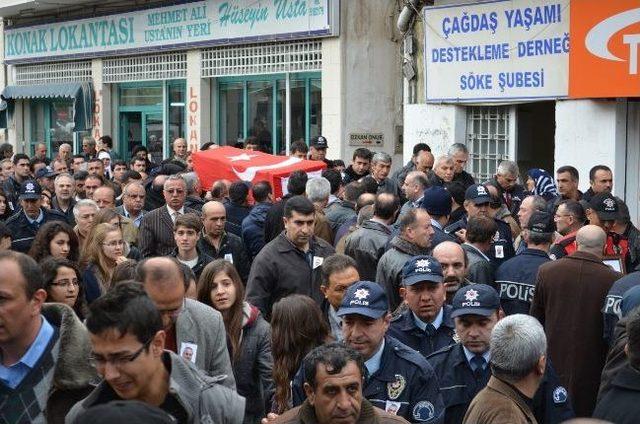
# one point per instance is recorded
(154, 135)
(131, 132)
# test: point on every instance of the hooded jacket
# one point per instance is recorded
(202, 397)
(254, 364)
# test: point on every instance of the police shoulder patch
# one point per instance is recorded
(423, 411)
(560, 395)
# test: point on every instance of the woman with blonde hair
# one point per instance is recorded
(103, 251)
(248, 334)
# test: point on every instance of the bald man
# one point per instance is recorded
(187, 323)
(454, 262)
(568, 301)
(180, 150)
(219, 244)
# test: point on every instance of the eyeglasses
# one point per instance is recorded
(114, 243)
(119, 361)
(66, 283)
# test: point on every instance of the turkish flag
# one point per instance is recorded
(233, 164)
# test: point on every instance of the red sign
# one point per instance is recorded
(605, 45)
(233, 164)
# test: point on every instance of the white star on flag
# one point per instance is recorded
(242, 156)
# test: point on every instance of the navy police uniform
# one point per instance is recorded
(405, 385)
(611, 307)
(516, 280)
(459, 384)
(403, 327)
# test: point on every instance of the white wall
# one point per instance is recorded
(437, 125)
(591, 132)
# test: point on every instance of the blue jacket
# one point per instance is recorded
(23, 233)
(404, 381)
(235, 214)
(516, 280)
(253, 228)
(404, 329)
(459, 385)
(611, 307)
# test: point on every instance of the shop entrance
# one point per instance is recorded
(142, 129)
(149, 114)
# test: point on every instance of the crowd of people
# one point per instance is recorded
(128, 292)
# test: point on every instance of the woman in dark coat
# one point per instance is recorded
(248, 336)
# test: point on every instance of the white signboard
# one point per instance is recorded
(193, 24)
(497, 51)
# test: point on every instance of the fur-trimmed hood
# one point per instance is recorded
(73, 370)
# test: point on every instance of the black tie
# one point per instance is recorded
(478, 364)
(430, 330)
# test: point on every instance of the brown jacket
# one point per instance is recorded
(498, 403)
(369, 414)
(568, 303)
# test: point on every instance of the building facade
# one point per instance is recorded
(474, 77)
(209, 70)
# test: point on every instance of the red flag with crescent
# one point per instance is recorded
(233, 164)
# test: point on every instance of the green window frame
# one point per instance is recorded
(274, 79)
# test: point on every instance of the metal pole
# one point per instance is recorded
(287, 118)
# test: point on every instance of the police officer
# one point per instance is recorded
(26, 222)
(463, 369)
(476, 203)
(399, 379)
(516, 278)
(424, 323)
(611, 307)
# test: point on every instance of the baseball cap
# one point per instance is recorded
(605, 206)
(421, 268)
(45, 173)
(319, 142)
(364, 298)
(30, 189)
(437, 201)
(478, 194)
(129, 411)
(475, 299)
(541, 222)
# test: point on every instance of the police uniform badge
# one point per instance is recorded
(423, 411)
(560, 395)
(396, 387)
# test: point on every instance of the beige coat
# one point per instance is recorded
(498, 403)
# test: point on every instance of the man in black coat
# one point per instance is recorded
(291, 263)
(24, 224)
(621, 403)
(273, 225)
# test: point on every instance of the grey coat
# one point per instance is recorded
(338, 213)
(201, 396)
(202, 325)
(389, 273)
(254, 365)
(366, 246)
(480, 270)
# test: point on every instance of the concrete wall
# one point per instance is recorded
(591, 132)
(437, 125)
(362, 79)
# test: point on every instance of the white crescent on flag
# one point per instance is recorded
(250, 173)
